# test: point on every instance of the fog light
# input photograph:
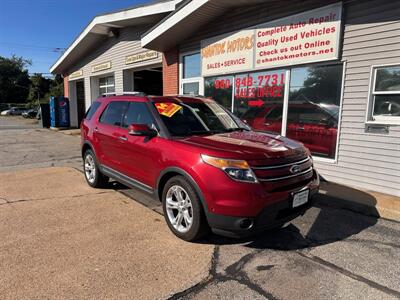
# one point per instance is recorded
(246, 223)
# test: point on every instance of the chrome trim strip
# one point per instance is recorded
(126, 179)
(286, 177)
(281, 166)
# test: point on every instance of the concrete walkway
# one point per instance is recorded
(61, 239)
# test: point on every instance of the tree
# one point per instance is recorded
(57, 86)
(40, 86)
(14, 79)
(322, 85)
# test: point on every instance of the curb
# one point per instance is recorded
(365, 202)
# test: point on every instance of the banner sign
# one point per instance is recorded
(130, 59)
(75, 75)
(228, 53)
(308, 37)
(101, 67)
(311, 36)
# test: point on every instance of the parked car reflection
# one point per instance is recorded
(313, 124)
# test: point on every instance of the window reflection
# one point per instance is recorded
(191, 88)
(386, 92)
(313, 110)
(191, 65)
(259, 99)
(219, 89)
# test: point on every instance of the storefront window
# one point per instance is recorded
(219, 89)
(313, 109)
(106, 85)
(190, 77)
(259, 99)
(386, 94)
(191, 88)
(191, 65)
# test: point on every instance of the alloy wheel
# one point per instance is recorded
(179, 208)
(90, 168)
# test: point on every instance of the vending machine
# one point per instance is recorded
(59, 112)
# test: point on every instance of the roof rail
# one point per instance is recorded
(107, 94)
(134, 93)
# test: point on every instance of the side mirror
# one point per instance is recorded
(141, 130)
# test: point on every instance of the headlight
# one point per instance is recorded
(235, 169)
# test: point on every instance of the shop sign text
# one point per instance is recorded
(143, 56)
(75, 75)
(303, 38)
(230, 53)
(101, 67)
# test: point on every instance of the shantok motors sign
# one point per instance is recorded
(302, 38)
(227, 54)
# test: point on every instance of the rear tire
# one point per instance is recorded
(92, 172)
(183, 210)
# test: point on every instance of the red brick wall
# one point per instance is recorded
(171, 72)
(66, 89)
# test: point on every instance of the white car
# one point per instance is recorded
(13, 111)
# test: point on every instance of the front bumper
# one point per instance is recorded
(272, 216)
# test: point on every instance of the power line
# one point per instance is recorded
(53, 49)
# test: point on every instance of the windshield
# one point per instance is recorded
(197, 118)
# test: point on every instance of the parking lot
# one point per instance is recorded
(61, 239)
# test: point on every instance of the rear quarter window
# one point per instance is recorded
(92, 110)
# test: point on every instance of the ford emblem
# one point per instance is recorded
(295, 169)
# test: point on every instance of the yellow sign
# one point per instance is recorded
(101, 67)
(75, 74)
(167, 109)
(228, 53)
(130, 59)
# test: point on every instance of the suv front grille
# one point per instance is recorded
(275, 173)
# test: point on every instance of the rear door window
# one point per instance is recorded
(92, 109)
(113, 113)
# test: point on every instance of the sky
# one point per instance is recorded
(34, 28)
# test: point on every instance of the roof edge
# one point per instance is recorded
(186, 8)
(130, 13)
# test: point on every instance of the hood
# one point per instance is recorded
(249, 145)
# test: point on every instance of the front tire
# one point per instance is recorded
(183, 211)
(92, 172)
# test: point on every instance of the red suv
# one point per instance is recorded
(208, 168)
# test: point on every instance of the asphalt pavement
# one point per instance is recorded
(62, 239)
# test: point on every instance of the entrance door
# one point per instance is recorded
(80, 100)
(148, 81)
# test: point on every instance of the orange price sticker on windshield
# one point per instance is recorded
(167, 109)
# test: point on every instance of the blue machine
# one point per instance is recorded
(59, 112)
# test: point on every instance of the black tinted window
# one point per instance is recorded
(113, 113)
(92, 109)
(137, 113)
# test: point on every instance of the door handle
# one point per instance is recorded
(123, 138)
(300, 128)
(96, 129)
